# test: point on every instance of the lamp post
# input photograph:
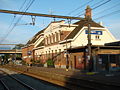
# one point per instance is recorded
(67, 62)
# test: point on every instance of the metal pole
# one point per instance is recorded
(108, 63)
(67, 62)
(15, 55)
(89, 42)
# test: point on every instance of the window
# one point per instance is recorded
(52, 54)
(97, 37)
(46, 53)
(59, 50)
(49, 39)
(56, 37)
(46, 41)
(59, 35)
(52, 37)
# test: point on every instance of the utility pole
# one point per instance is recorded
(89, 44)
(88, 18)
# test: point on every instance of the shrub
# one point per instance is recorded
(50, 63)
(23, 62)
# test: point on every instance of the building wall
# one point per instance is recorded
(96, 39)
(53, 34)
(57, 32)
(77, 60)
(27, 53)
(39, 54)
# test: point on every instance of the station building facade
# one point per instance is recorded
(58, 37)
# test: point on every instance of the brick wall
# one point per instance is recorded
(28, 53)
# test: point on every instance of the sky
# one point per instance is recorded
(22, 33)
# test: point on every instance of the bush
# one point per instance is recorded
(23, 62)
(50, 63)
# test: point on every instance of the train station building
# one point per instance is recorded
(66, 45)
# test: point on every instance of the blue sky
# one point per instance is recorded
(22, 33)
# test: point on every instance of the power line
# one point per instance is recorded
(15, 14)
(109, 14)
(107, 9)
(101, 4)
(80, 6)
(12, 22)
(97, 5)
(22, 5)
(16, 22)
(78, 14)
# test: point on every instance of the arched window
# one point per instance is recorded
(57, 37)
(49, 39)
(46, 41)
(52, 38)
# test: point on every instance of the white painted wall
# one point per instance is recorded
(81, 38)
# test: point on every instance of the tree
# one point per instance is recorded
(18, 46)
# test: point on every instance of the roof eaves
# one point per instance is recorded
(65, 41)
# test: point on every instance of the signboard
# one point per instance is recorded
(96, 32)
(109, 51)
(29, 52)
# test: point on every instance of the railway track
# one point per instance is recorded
(73, 84)
(11, 83)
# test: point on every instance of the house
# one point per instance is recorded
(58, 37)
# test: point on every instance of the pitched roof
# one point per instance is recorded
(35, 37)
(41, 43)
(81, 24)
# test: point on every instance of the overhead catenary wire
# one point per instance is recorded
(12, 22)
(23, 4)
(78, 14)
(15, 14)
(109, 14)
(98, 5)
(80, 6)
(101, 4)
(107, 9)
(30, 3)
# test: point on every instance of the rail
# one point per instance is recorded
(19, 81)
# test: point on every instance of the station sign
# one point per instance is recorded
(95, 32)
(29, 52)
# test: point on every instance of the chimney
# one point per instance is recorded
(101, 23)
(88, 13)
